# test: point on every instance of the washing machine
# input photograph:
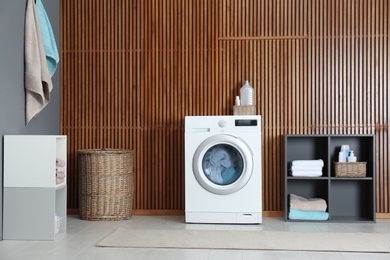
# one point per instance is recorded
(223, 169)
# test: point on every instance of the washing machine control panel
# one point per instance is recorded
(246, 122)
(239, 122)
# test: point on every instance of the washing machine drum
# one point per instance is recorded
(223, 164)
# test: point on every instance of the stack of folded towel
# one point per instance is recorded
(60, 171)
(307, 168)
(307, 209)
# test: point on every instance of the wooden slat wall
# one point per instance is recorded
(131, 71)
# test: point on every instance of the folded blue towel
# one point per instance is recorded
(52, 56)
(307, 215)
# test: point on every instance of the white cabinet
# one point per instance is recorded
(32, 197)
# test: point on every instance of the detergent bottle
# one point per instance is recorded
(246, 93)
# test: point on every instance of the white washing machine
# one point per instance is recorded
(223, 169)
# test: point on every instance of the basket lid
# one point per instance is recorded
(105, 151)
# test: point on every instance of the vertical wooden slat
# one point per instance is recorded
(131, 70)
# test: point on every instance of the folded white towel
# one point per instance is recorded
(60, 169)
(60, 162)
(306, 168)
(59, 180)
(306, 173)
(318, 163)
(60, 175)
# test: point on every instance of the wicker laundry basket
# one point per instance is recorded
(105, 184)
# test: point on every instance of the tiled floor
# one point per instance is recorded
(81, 237)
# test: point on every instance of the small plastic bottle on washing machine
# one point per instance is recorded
(246, 93)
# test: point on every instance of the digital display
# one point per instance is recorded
(246, 122)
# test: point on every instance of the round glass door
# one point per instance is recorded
(223, 164)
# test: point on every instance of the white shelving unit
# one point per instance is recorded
(31, 196)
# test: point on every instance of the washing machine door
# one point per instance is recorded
(223, 164)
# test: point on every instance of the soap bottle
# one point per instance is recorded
(345, 150)
(238, 103)
(351, 157)
(246, 93)
(341, 157)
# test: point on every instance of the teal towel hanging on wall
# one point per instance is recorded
(49, 43)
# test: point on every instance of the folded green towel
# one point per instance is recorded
(49, 43)
(307, 215)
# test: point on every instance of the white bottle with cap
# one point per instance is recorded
(246, 93)
(238, 103)
(351, 157)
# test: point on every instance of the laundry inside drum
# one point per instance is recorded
(222, 164)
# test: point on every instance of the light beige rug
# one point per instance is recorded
(255, 240)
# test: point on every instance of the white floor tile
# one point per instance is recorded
(275, 255)
(226, 255)
(305, 227)
(383, 256)
(81, 237)
(359, 256)
(325, 255)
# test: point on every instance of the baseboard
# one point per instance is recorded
(272, 213)
(73, 211)
(382, 215)
(181, 212)
(157, 212)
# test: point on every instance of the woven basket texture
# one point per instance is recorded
(244, 110)
(350, 169)
(105, 184)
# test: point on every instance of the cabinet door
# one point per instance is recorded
(29, 213)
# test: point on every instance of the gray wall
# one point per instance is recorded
(12, 94)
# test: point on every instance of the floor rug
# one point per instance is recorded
(251, 240)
